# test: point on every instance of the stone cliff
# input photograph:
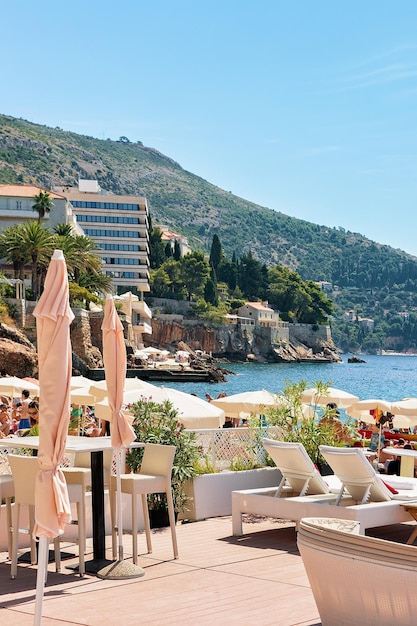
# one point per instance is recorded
(288, 343)
(291, 342)
(18, 355)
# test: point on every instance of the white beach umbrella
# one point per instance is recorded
(152, 350)
(360, 410)
(407, 407)
(99, 389)
(82, 396)
(247, 402)
(13, 386)
(193, 412)
(342, 398)
(80, 381)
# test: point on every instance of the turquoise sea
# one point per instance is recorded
(386, 377)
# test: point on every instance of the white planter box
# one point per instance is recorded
(211, 494)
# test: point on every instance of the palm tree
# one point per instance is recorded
(86, 257)
(12, 250)
(64, 230)
(96, 283)
(42, 204)
(38, 242)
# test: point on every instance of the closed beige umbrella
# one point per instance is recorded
(53, 319)
(122, 433)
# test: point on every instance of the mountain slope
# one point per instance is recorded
(187, 203)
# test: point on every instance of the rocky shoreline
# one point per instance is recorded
(224, 344)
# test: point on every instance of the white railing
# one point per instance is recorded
(220, 448)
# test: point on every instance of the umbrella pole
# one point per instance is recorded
(43, 553)
(119, 514)
(379, 440)
(120, 569)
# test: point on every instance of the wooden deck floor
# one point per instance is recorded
(257, 579)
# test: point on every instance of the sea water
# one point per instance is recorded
(391, 378)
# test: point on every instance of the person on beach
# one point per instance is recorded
(4, 421)
(24, 410)
(332, 419)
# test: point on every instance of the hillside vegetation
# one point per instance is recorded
(375, 280)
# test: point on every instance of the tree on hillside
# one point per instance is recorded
(295, 298)
(250, 279)
(210, 293)
(177, 251)
(156, 248)
(215, 252)
(194, 272)
(168, 250)
(42, 204)
(176, 285)
(160, 283)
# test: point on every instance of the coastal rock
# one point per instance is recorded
(17, 359)
(15, 335)
(355, 359)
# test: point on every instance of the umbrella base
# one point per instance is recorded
(26, 556)
(91, 567)
(120, 570)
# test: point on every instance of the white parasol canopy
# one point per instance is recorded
(193, 412)
(247, 402)
(82, 396)
(99, 389)
(360, 410)
(80, 381)
(342, 398)
(13, 386)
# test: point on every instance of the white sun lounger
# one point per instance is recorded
(362, 482)
(381, 508)
(358, 580)
(299, 473)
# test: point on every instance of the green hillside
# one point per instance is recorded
(373, 279)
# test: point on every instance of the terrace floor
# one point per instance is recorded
(257, 579)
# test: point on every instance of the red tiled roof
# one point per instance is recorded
(25, 191)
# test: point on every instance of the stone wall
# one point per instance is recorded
(314, 336)
(81, 339)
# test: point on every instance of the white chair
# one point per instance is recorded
(82, 460)
(79, 475)
(24, 470)
(7, 493)
(154, 477)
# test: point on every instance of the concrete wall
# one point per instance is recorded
(310, 335)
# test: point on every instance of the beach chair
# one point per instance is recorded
(299, 474)
(361, 494)
(356, 579)
(300, 478)
(359, 478)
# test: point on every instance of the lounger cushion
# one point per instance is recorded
(400, 482)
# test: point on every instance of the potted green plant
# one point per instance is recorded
(159, 423)
(321, 428)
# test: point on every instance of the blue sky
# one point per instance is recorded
(305, 107)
